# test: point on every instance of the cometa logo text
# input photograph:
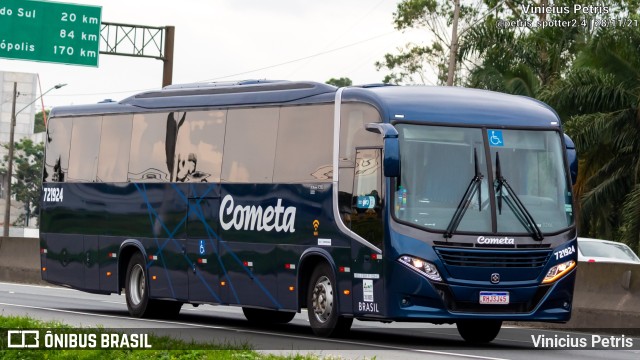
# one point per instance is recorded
(495, 241)
(256, 218)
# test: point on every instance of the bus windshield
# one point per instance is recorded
(450, 175)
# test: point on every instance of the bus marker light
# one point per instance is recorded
(376, 256)
(153, 257)
(247, 263)
(346, 292)
(223, 283)
(154, 277)
(112, 255)
(108, 273)
(290, 266)
(44, 269)
(291, 288)
(202, 261)
(43, 251)
(344, 269)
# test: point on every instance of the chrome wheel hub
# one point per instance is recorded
(137, 284)
(322, 299)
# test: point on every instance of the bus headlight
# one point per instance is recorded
(558, 271)
(424, 267)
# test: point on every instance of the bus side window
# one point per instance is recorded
(58, 142)
(367, 200)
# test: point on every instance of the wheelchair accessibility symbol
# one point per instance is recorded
(495, 138)
(201, 247)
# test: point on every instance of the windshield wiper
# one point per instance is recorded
(473, 188)
(514, 203)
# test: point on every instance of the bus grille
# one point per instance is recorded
(493, 258)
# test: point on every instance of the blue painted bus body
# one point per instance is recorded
(191, 258)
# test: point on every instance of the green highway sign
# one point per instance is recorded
(50, 31)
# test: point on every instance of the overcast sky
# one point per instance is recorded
(221, 40)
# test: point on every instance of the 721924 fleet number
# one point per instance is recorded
(53, 194)
(564, 252)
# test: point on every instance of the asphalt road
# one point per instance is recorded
(223, 324)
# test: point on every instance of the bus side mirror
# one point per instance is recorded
(572, 158)
(391, 161)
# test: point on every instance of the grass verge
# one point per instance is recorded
(171, 348)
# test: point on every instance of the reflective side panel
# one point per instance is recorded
(250, 145)
(151, 139)
(303, 153)
(115, 144)
(56, 164)
(199, 145)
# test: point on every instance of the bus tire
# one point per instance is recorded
(322, 304)
(136, 287)
(479, 331)
(263, 316)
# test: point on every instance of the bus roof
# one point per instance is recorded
(431, 104)
(448, 104)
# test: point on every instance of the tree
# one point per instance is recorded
(600, 95)
(341, 82)
(38, 124)
(524, 53)
(27, 171)
(445, 22)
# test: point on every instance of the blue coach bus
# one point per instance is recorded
(381, 203)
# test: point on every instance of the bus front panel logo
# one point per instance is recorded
(495, 240)
(495, 278)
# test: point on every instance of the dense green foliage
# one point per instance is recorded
(587, 66)
(27, 172)
(341, 82)
(38, 124)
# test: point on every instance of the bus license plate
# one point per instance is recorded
(494, 297)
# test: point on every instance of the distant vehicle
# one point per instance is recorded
(596, 250)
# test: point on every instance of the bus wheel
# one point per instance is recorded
(263, 316)
(136, 287)
(479, 331)
(322, 304)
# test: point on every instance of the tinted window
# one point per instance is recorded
(200, 141)
(149, 146)
(366, 214)
(353, 118)
(57, 149)
(115, 144)
(250, 145)
(305, 144)
(85, 145)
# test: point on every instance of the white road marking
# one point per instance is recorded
(114, 302)
(388, 347)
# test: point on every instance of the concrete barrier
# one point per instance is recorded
(607, 296)
(20, 260)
